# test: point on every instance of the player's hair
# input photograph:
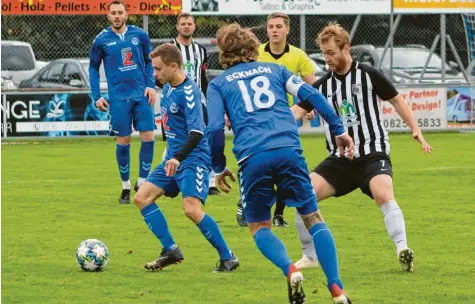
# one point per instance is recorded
(169, 54)
(236, 44)
(117, 2)
(184, 15)
(335, 31)
(280, 15)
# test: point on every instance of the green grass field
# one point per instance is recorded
(58, 193)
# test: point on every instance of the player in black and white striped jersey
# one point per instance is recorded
(194, 58)
(193, 54)
(354, 96)
(353, 90)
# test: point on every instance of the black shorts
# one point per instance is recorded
(346, 175)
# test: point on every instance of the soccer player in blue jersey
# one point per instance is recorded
(267, 146)
(124, 50)
(187, 163)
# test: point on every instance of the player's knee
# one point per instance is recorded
(190, 212)
(382, 197)
(381, 188)
(140, 200)
(147, 136)
(192, 208)
(123, 140)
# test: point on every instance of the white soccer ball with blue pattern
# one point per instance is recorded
(92, 255)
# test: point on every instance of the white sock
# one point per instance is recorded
(140, 181)
(126, 185)
(212, 182)
(305, 238)
(395, 226)
(164, 154)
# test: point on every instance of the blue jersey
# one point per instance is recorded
(254, 96)
(182, 113)
(127, 63)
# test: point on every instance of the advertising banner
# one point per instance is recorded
(51, 114)
(434, 6)
(290, 7)
(461, 107)
(427, 104)
(87, 7)
(55, 114)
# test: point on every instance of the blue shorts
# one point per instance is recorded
(125, 113)
(278, 172)
(192, 180)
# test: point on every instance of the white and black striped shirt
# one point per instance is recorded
(354, 97)
(194, 58)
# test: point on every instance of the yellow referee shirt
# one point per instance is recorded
(293, 58)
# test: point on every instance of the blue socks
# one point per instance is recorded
(273, 249)
(326, 252)
(211, 231)
(156, 221)
(122, 153)
(146, 158)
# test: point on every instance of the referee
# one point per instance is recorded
(354, 91)
(277, 50)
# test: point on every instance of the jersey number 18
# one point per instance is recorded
(260, 88)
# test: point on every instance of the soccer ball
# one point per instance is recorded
(92, 255)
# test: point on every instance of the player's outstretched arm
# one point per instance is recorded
(313, 99)
(150, 80)
(405, 112)
(386, 91)
(95, 60)
(320, 104)
(216, 123)
(295, 86)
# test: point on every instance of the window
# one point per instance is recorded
(54, 73)
(17, 58)
(71, 72)
(461, 106)
(44, 76)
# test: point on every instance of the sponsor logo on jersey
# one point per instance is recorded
(356, 89)
(189, 68)
(348, 114)
(173, 108)
(127, 57)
